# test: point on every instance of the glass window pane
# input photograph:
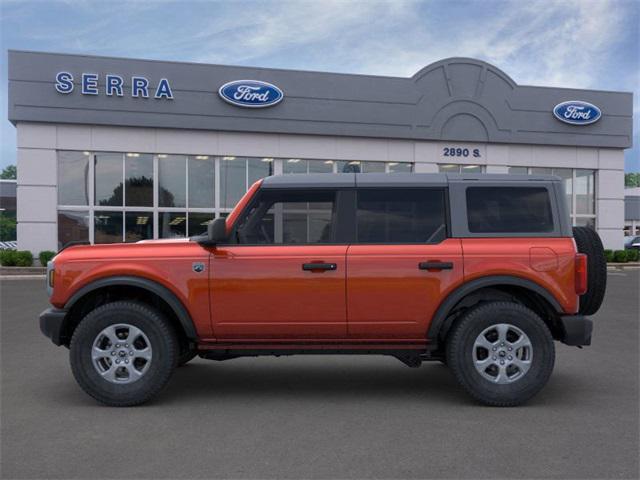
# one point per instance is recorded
(541, 171)
(138, 173)
(198, 222)
(518, 170)
(320, 166)
(353, 166)
(567, 178)
(259, 168)
(449, 168)
(72, 227)
(471, 169)
(292, 217)
(202, 181)
(172, 188)
(172, 224)
(585, 191)
(509, 209)
(372, 167)
(108, 227)
(108, 179)
(401, 216)
(585, 222)
(233, 180)
(294, 165)
(400, 167)
(73, 178)
(138, 226)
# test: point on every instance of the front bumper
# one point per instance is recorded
(52, 322)
(576, 330)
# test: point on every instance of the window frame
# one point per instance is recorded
(447, 216)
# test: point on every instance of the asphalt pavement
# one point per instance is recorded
(321, 416)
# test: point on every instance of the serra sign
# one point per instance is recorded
(113, 85)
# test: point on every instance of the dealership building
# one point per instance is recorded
(116, 149)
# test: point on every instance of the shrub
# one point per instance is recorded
(608, 254)
(45, 256)
(620, 256)
(8, 258)
(633, 254)
(24, 258)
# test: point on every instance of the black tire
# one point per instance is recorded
(164, 349)
(588, 242)
(460, 353)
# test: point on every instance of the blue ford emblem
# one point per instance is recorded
(576, 112)
(250, 93)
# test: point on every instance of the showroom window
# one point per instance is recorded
(579, 187)
(107, 197)
(453, 168)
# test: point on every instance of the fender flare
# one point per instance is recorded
(440, 317)
(154, 287)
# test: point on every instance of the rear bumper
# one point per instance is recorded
(576, 330)
(52, 324)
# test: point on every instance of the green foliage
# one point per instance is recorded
(633, 255)
(16, 258)
(608, 254)
(45, 256)
(9, 173)
(7, 258)
(620, 256)
(632, 179)
(7, 228)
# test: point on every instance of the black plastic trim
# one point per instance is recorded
(576, 330)
(461, 292)
(163, 292)
(52, 322)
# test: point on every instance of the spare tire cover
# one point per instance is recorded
(588, 242)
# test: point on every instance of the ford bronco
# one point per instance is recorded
(480, 272)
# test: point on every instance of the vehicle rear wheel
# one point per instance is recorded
(588, 242)
(123, 353)
(502, 353)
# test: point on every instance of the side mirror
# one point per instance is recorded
(217, 231)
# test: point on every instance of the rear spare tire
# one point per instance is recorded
(589, 243)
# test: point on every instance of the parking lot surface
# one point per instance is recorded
(321, 417)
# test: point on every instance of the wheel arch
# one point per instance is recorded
(102, 290)
(543, 301)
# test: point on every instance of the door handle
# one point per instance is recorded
(435, 265)
(318, 266)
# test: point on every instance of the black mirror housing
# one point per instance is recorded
(217, 231)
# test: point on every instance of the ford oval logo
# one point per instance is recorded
(577, 112)
(251, 93)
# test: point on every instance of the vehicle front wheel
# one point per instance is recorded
(502, 353)
(123, 353)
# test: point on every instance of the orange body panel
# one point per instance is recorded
(548, 262)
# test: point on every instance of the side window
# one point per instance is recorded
(401, 215)
(509, 210)
(289, 217)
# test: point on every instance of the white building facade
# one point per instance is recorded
(112, 166)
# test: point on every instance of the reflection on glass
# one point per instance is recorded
(172, 224)
(352, 166)
(400, 167)
(294, 165)
(320, 166)
(138, 172)
(201, 181)
(108, 227)
(172, 191)
(73, 226)
(518, 170)
(541, 171)
(372, 167)
(198, 222)
(233, 181)
(448, 168)
(108, 179)
(259, 168)
(138, 226)
(567, 179)
(585, 191)
(471, 169)
(73, 178)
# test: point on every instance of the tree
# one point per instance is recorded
(632, 180)
(9, 172)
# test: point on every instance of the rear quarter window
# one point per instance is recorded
(509, 210)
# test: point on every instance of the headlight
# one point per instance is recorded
(51, 277)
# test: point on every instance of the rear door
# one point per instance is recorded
(402, 263)
(284, 277)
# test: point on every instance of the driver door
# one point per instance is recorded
(282, 276)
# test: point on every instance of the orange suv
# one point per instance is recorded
(481, 272)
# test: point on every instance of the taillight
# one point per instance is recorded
(581, 274)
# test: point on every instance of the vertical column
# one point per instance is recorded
(610, 197)
(37, 187)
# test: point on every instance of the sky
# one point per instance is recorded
(564, 43)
